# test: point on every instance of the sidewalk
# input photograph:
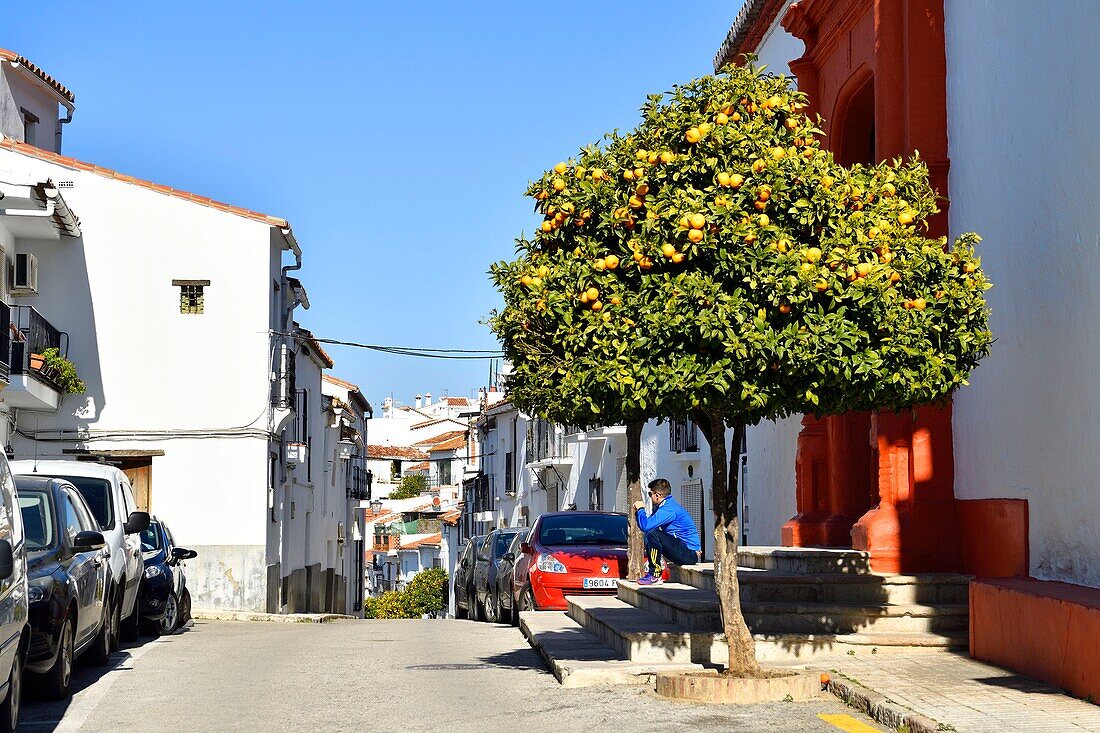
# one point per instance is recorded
(962, 694)
(204, 614)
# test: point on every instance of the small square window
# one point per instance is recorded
(191, 295)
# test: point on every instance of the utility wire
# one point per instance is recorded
(424, 352)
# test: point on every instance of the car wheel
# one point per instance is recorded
(9, 711)
(492, 611)
(184, 613)
(171, 618)
(100, 652)
(460, 612)
(527, 600)
(130, 628)
(60, 677)
(503, 616)
(116, 622)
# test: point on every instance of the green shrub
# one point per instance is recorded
(425, 593)
(63, 372)
(411, 485)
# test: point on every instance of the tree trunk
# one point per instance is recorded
(636, 550)
(742, 647)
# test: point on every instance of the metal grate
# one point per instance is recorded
(191, 299)
(621, 504)
(595, 493)
(691, 498)
(551, 483)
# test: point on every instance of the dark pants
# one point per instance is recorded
(659, 543)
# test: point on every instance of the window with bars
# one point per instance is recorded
(683, 436)
(192, 301)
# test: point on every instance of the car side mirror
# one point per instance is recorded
(508, 556)
(182, 553)
(7, 560)
(526, 548)
(88, 540)
(137, 522)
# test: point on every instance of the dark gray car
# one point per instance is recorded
(464, 576)
(485, 573)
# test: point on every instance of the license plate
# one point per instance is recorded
(594, 583)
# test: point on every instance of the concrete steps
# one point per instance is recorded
(860, 588)
(804, 560)
(578, 659)
(641, 636)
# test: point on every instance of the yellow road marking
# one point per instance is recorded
(847, 723)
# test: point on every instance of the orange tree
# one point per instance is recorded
(754, 278)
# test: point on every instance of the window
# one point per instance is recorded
(683, 436)
(445, 472)
(70, 517)
(97, 493)
(30, 127)
(191, 295)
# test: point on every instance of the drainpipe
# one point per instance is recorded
(64, 121)
(284, 350)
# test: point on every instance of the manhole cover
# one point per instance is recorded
(449, 667)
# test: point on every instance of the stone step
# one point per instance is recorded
(811, 560)
(809, 648)
(641, 636)
(766, 585)
(695, 609)
(578, 659)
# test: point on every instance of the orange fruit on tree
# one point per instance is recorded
(763, 220)
(749, 238)
(597, 306)
(895, 276)
(611, 262)
(727, 110)
(705, 128)
(906, 217)
(547, 226)
(561, 168)
(695, 235)
(678, 257)
(723, 179)
(645, 263)
(583, 297)
(821, 286)
(778, 153)
(525, 280)
(543, 271)
(635, 202)
(758, 166)
(888, 190)
(668, 249)
(813, 254)
(653, 157)
(642, 189)
(559, 184)
(685, 222)
(667, 157)
(721, 119)
(693, 135)
(638, 173)
(784, 308)
(592, 293)
(581, 171)
(598, 265)
(736, 180)
(791, 123)
(628, 174)
(615, 300)
(759, 205)
(697, 221)
(863, 269)
(919, 304)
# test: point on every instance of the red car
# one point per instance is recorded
(569, 554)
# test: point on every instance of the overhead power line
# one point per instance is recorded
(423, 352)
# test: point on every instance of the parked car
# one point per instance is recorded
(108, 494)
(68, 581)
(164, 602)
(485, 573)
(506, 569)
(14, 626)
(464, 577)
(570, 553)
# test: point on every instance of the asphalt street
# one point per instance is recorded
(373, 675)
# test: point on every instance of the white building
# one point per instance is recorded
(178, 312)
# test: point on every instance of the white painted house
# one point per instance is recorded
(179, 314)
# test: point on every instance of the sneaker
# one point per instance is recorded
(650, 579)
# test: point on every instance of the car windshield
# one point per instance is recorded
(97, 493)
(583, 529)
(35, 508)
(503, 541)
(150, 538)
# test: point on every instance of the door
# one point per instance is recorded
(140, 473)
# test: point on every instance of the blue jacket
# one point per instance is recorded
(674, 519)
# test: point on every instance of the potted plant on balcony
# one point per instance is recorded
(60, 370)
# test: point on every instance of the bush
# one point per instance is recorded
(425, 593)
(411, 485)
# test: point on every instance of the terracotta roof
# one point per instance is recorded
(312, 342)
(432, 540)
(457, 401)
(46, 155)
(54, 83)
(748, 29)
(339, 382)
(459, 441)
(451, 517)
(424, 466)
(441, 437)
(398, 452)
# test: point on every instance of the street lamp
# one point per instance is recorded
(376, 506)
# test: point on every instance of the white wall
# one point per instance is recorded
(778, 48)
(18, 89)
(1025, 169)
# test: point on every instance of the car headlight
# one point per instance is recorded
(39, 589)
(550, 564)
(153, 571)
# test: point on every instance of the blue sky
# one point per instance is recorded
(397, 138)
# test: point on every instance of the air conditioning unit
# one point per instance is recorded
(295, 454)
(25, 278)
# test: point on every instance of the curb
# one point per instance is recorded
(878, 707)
(290, 618)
